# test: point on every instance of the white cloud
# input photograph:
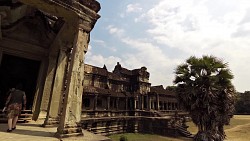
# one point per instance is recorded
(114, 30)
(100, 60)
(151, 56)
(133, 8)
(217, 27)
(102, 44)
(99, 42)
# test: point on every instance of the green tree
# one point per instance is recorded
(205, 90)
(243, 103)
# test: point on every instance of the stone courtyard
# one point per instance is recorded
(33, 131)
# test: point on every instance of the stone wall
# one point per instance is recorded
(129, 124)
(160, 126)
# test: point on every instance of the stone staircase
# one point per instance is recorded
(26, 116)
(183, 131)
(180, 129)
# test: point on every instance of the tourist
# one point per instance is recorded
(13, 104)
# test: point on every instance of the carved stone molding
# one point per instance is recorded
(66, 8)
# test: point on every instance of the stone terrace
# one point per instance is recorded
(33, 131)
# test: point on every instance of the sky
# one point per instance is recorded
(162, 34)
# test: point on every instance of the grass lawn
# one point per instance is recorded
(238, 130)
(144, 137)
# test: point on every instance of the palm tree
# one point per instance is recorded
(205, 90)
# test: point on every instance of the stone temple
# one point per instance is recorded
(43, 44)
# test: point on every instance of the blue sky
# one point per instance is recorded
(161, 34)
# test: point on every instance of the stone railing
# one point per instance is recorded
(104, 113)
(119, 113)
(112, 122)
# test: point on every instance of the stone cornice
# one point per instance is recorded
(85, 10)
(81, 7)
(88, 17)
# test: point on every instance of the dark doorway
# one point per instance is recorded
(15, 70)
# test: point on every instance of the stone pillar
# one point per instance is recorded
(55, 101)
(135, 103)
(142, 102)
(157, 102)
(72, 103)
(95, 102)
(52, 63)
(108, 103)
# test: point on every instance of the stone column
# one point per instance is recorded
(157, 102)
(72, 102)
(139, 102)
(55, 101)
(142, 102)
(59, 48)
(52, 63)
(135, 103)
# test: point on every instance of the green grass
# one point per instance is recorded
(235, 121)
(143, 137)
(238, 130)
(238, 120)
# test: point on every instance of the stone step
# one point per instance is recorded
(26, 116)
(71, 135)
(184, 131)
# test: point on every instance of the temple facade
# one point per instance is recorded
(124, 89)
(124, 101)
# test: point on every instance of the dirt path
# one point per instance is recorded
(238, 133)
(238, 127)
